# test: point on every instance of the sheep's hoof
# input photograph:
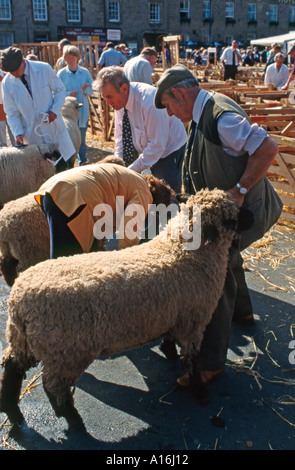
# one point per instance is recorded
(13, 413)
(68, 411)
(169, 349)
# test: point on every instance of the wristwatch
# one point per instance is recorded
(241, 189)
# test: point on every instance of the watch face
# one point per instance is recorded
(243, 191)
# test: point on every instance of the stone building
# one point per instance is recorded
(141, 22)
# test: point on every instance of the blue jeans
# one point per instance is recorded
(82, 157)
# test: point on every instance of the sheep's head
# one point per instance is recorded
(70, 108)
(49, 152)
(209, 215)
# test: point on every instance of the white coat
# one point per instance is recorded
(25, 112)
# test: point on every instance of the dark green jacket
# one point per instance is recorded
(209, 166)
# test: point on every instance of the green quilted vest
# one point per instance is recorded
(209, 166)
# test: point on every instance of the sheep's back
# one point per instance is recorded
(22, 171)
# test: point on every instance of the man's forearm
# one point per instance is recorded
(259, 162)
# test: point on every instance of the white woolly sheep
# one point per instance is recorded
(24, 237)
(69, 311)
(70, 114)
(23, 170)
(24, 234)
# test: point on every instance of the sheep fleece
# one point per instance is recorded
(67, 312)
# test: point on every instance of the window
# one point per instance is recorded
(6, 40)
(154, 13)
(292, 15)
(251, 12)
(228, 39)
(184, 10)
(40, 10)
(5, 10)
(273, 13)
(206, 10)
(251, 36)
(73, 11)
(114, 11)
(229, 10)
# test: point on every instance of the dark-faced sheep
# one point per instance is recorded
(23, 170)
(69, 311)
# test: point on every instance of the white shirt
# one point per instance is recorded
(275, 76)
(227, 56)
(138, 69)
(155, 135)
(237, 135)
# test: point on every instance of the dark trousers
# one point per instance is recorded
(235, 300)
(169, 169)
(230, 71)
(62, 240)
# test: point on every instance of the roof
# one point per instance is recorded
(280, 39)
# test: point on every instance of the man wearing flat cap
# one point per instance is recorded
(291, 77)
(30, 90)
(226, 151)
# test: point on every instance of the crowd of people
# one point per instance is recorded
(274, 63)
(223, 149)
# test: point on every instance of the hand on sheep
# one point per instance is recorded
(73, 93)
(236, 195)
(19, 140)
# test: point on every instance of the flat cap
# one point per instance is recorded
(292, 49)
(171, 77)
(11, 59)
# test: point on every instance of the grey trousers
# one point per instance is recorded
(235, 300)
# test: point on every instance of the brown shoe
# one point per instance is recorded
(247, 320)
(206, 376)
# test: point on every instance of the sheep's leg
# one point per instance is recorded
(66, 408)
(8, 268)
(169, 349)
(10, 388)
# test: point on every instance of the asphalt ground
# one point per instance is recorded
(130, 402)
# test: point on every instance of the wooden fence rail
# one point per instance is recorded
(48, 52)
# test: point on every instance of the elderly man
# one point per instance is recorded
(140, 68)
(292, 71)
(224, 150)
(277, 73)
(32, 93)
(230, 58)
(145, 137)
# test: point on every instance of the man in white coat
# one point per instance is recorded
(33, 97)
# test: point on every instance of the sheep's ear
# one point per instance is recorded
(245, 219)
(54, 156)
(210, 233)
(182, 198)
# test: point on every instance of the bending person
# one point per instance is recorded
(84, 205)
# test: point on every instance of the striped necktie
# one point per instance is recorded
(129, 152)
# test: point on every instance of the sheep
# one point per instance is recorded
(70, 115)
(23, 170)
(24, 237)
(70, 311)
(24, 233)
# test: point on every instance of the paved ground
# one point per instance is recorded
(130, 402)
